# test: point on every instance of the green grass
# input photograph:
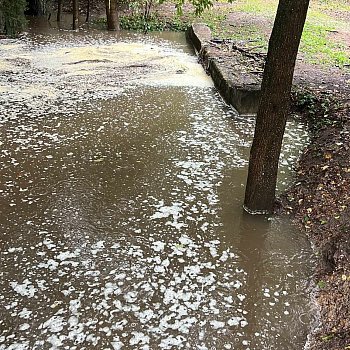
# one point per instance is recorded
(341, 5)
(318, 48)
(318, 45)
(250, 36)
(316, 42)
(213, 19)
(267, 7)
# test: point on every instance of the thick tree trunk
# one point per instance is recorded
(112, 15)
(75, 14)
(274, 105)
(59, 10)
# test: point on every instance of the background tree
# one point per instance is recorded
(88, 8)
(274, 105)
(75, 14)
(112, 15)
(59, 10)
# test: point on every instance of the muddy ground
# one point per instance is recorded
(318, 203)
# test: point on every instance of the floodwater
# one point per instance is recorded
(122, 180)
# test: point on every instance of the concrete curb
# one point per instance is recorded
(237, 83)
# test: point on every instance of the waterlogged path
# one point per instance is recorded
(122, 177)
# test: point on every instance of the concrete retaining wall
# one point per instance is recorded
(235, 75)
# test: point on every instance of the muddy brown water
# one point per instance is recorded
(122, 182)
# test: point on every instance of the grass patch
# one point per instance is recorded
(267, 7)
(155, 23)
(318, 43)
(340, 5)
(318, 48)
(250, 36)
(213, 19)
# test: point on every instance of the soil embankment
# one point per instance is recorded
(318, 201)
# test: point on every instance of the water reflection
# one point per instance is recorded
(121, 220)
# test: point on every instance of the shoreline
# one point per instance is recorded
(317, 201)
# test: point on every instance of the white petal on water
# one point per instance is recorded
(54, 324)
(24, 326)
(24, 289)
(139, 338)
(158, 246)
(217, 324)
(234, 321)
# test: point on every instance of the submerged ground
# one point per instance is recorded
(121, 187)
(319, 199)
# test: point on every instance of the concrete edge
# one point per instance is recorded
(244, 99)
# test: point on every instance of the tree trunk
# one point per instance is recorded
(88, 10)
(112, 15)
(274, 105)
(75, 14)
(59, 10)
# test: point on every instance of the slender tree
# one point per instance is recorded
(112, 15)
(88, 8)
(274, 104)
(75, 14)
(59, 10)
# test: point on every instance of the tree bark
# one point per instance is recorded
(75, 14)
(59, 10)
(88, 10)
(274, 105)
(112, 15)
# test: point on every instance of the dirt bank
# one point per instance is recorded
(318, 203)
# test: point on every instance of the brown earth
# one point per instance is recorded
(318, 203)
